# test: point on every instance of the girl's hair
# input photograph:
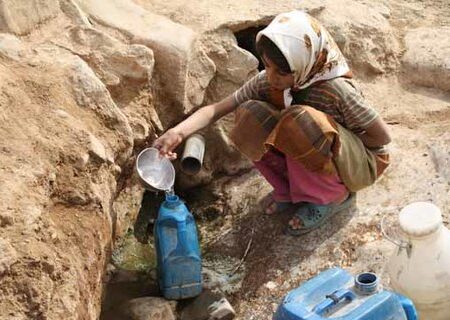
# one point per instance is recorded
(265, 46)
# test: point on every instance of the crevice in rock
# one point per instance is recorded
(247, 40)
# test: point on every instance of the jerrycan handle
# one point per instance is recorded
(333, 299)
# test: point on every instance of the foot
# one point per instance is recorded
(272, 207)
(311, 216)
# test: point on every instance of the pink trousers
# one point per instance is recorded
(293, 183)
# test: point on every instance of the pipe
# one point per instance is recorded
(194, 151)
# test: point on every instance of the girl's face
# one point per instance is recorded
(277, 79)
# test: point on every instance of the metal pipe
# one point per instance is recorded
(194, 151)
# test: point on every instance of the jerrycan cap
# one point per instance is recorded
(420, 219)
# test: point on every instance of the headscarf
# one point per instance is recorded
(307, 46)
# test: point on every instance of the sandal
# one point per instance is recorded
(311, 216)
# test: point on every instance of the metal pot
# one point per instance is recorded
(156, 172)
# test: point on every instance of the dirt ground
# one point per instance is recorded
(73, 119)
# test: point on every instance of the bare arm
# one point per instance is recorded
(198, 120)
(376, 135)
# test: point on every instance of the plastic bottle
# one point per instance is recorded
(421, 270)
(177, 250)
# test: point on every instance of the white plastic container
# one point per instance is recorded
(421, 269)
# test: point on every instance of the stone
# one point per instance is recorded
(270, 285)
(183, 70)
(10, 46)
(97, 149)
(126, 206)
(111, 59)
(440, 153)
(21, 17)
(221, 310)
(208, 306)
(8, 256)
(427, 58)
(363, 33)
(91, 93)
(82, 161)
(148, 308)
(73, 11)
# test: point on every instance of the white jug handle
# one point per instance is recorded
(402, 244)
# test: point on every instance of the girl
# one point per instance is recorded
(302, 122)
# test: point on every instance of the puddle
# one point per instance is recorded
(220, 273)
(133, 255)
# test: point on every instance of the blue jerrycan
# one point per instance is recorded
(336, 294)
(177, 250)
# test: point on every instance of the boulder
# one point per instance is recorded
(427, 58)
(363, 33)
(112, 60)
(182, 69)
(21, 17)
(126, 70)
(73, 11)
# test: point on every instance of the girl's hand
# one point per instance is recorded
(168, 142)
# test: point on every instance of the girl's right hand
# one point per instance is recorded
(168, 142)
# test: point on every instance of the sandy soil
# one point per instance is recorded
(56, 219)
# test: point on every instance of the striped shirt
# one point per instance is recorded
(337, 97)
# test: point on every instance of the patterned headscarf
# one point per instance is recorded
(307, 46)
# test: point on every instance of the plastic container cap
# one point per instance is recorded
(420, 219)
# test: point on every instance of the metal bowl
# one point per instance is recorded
(155, 171)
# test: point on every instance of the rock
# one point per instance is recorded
(427, 58)
(10, 46)
(82, 161)
(8, 256)
(208, 305)
(98, 150)
(270, 285)
(234, 64)
(126, 206)
(221, 310)
(440, 152)
(183, 69)
(111, 59)
(21, 17)
(363, 33)
(90, 92)
(73, 11)
(148, 308)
